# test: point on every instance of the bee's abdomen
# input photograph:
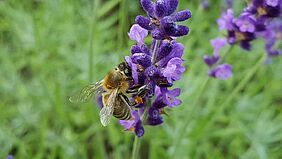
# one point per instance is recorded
(121, 110)
(122, 113)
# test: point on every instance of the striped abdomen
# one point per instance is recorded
(121, 110)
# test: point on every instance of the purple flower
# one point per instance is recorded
(271, 36)
(257, 20)
(174, 69)
(154, 117)
(137, 34)
(267, 8)
(176, 51)
(226, 20)
(139, 129)
(133, 67)
(162, 19)
(205, 4)
(218, 44)
(155, 68)
(134, 124)
(170, 97)
(245, 23)
(223, 71)
(210, 60)
(229, 3)
(10, 157)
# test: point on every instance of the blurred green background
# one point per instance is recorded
(51, 48)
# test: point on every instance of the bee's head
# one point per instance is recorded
(123, 67)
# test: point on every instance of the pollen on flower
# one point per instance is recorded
(138, 100)
(261, 11)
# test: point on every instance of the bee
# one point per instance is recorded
(113, 89)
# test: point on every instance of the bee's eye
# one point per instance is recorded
(126, 71)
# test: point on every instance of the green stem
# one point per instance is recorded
(137, 140)
(154, 55)
(136, 147)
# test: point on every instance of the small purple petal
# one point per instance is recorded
(149, 7)
(139, 129)
(210, 60)
(10, 157)
(152, 71)
(142, 59)
(167, 22)
(160, 8)
(246, 44)
(170, 97)
(145, 49)
(272, 3)
(222, 72)
(133, 67)
(174, 69)
(153, 113)
(225, 21)
(135, 49)
(182, 15)
(127, 124)
(157, 34)
(180, 30)
(144, 22)
(137, 34)
(171, 6)
(218, 44)
(177, 51)
(164, 50)
(245, 23)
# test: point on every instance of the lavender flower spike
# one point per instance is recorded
(155, 68)
(162, 19)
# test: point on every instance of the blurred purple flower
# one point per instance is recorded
(229, 3)
(205, 4)
(10, 157)
(272, 36)
(223, 72)
(210, 60)
(245, 23)
(226, 20)
(261, 18)
(265, 8)
(218, 44)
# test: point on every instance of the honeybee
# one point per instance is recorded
(113, 89)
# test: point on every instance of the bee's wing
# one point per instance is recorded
(107, 111)
(86, 93)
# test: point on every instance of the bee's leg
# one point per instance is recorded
(136, 89)
(127, 101)
(133, 89)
